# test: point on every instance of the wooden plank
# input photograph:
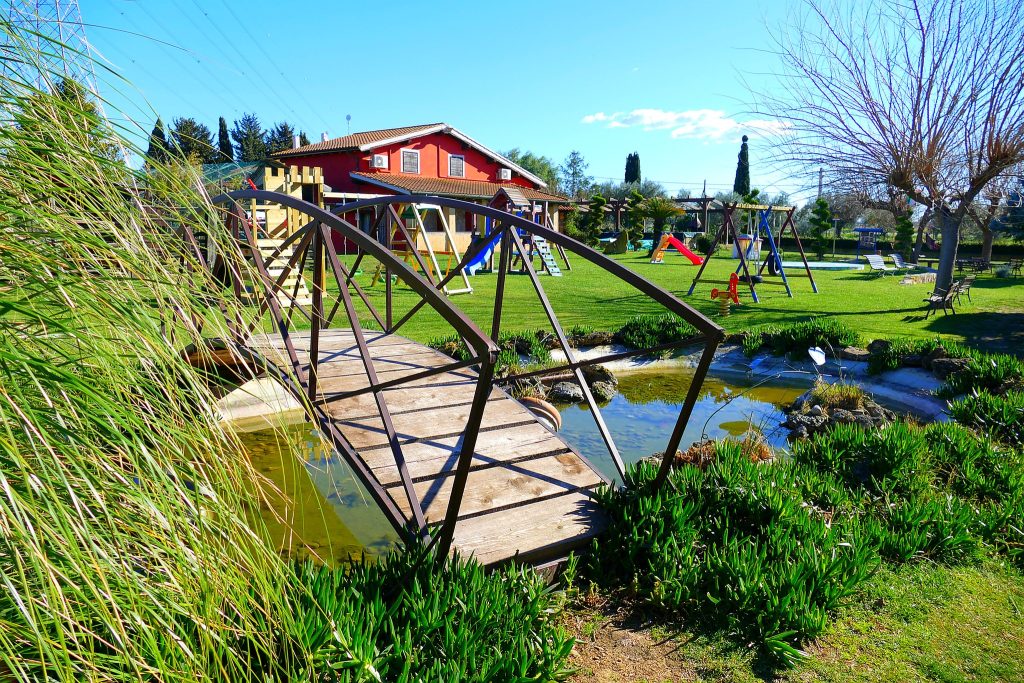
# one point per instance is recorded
(498, 487)
(407, 399)
(539, 531)
(428, 458)
(445, 421)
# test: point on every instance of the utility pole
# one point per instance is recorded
(51, 44)
(821, 176)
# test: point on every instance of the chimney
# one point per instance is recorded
(323, 136)
(295, 142)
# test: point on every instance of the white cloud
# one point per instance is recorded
(697, 124)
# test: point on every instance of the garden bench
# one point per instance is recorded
(1015, 266)
(941, 299)
(898, 261)
(878, 264)
(964, 287)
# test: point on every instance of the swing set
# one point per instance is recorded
(407, 231)
(772, 263)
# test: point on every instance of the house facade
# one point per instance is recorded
(432, 159)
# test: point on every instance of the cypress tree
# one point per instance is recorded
(633, 168)
(821, 223)
(157, 151)
(741, 185)
(303, 140)
(194, 141)
(227, 152)
(904, 234)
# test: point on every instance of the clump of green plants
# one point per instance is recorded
(767, 551)
(753, 340)
(516, 350)
(647, 331)
(995, 373)
(794, 339)
(703, 244)
(837, 395)
(411, 618)
(736, 545)
(451, 345)
(1001, 417)
(892, 357)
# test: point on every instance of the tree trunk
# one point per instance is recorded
(949, 226)
(927, 216)
(986, 242)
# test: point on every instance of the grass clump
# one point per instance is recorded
(407, 618)
(768, 551)
(1001, 417)
(837, 395)
(892, 357)
(991, 372)
(735, 545)
(794, 339)
(647, 331)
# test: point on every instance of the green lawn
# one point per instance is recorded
(918, 622)
(875, 306)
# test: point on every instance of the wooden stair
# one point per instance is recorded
(274, 268)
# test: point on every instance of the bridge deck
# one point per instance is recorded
(528, 491)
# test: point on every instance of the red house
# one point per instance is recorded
(428, 159)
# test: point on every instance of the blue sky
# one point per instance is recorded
(664, 78)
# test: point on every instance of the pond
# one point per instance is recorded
(641, 416)
(314, 506)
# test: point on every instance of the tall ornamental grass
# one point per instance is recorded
(124, 549)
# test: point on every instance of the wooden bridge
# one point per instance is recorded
(446, 453)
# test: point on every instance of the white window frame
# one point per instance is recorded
(411, 151)
(457, 156)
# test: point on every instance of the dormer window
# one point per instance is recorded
(410, 161)
(457, 166)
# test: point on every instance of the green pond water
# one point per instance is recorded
(642, 415)
(313, 505)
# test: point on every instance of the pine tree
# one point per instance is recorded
(904, 234)
(157, 152)
(574, 179)
(279, 138)
(741, 185)
(193, 141)
(227, 152)
(303, 140)
(633, 168)
(821, 223)
(248, 137)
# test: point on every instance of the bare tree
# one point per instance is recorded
(924, 97)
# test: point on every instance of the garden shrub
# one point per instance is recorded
(1001, 417)
(513, 347)
(837, 395)
(410, 618)
(993, 372)
(892, 357)
(971, 466)
(796, 338)
(893, 460)
(646, 331)
(735, 545)
(753, 340)
(702, 245)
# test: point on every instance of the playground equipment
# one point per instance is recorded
(513, 201)
(772, 259)
(668, 240)
(407, 230)
(727, 297)
(867, 240)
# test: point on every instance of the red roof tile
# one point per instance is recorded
(356, 140)
(450, 187)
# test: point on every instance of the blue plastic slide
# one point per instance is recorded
(483, 257)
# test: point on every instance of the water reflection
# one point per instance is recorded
(642, 415)
(313, 504)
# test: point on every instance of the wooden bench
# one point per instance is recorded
(939, 299)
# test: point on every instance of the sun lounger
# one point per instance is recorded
(878, 264)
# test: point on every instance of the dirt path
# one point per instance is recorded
(617, 648)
